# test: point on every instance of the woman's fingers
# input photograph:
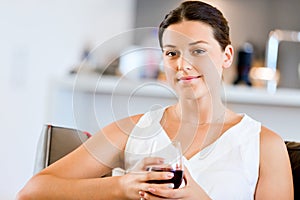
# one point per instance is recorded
(151, 177)
(148, 192)
(163, 192)
(186, 175)
(137, 183)
(145, 180)
(157, 176)
(157, 190)
(163, 186)
(144, 189)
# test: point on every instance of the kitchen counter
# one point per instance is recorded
(90, 102)
(241, 94)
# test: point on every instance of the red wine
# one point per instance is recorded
(176, 180)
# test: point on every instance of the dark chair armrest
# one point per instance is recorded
(294, 154)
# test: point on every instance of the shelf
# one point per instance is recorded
(153, 88)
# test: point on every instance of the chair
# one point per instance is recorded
(56, 142)
(294, 153)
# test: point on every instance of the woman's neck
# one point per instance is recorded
(200, 112)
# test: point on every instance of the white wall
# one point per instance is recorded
(40, 39)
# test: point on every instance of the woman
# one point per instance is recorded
(228, 155)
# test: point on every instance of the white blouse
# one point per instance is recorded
(226, 169)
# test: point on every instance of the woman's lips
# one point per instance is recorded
(188, 78)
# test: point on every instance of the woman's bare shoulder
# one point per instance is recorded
(124, 125)
(275, 175)
(269, 139)
(108, 144)
(272, 148)
(117, 132)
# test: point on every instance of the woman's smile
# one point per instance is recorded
(188, 79)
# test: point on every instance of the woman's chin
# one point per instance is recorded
(191, 94)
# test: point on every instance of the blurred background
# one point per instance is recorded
(45, 39)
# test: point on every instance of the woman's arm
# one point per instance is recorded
(78, 174)
(275, 175)
(65, 180)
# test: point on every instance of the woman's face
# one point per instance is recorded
(193, 59)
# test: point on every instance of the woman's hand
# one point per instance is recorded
(133, 184)
(190, 191)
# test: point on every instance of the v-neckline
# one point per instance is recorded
(162, 111)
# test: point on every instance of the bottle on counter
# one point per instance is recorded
(244, 64)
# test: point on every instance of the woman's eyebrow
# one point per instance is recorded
(169, 45)
(197, 42)
(191, 44)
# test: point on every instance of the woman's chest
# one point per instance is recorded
(222, 175)
(194, 138)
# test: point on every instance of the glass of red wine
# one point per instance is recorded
(173, 162)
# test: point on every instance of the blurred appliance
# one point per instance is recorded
(283, 54)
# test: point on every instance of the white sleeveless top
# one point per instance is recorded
(227, 169)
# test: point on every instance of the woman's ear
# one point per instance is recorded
(228, 56)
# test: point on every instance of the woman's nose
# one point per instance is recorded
(183, 64)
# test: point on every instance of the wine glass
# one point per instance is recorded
(173, 162)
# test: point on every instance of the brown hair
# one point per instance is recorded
(198, 11)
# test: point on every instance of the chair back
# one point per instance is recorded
(55, 142)
(294, 153)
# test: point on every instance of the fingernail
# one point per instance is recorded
(151, 190)
(171, 185)
(141, 193)
(170, 175)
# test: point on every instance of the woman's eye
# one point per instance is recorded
(198, 51)
(171, 53)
